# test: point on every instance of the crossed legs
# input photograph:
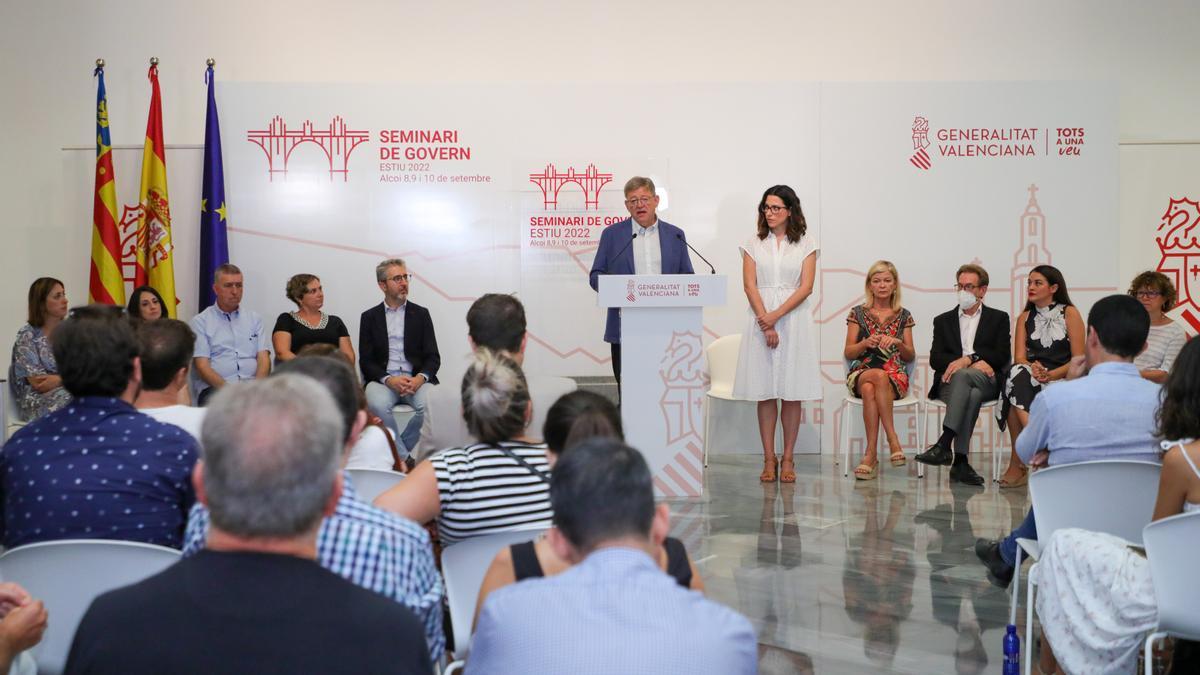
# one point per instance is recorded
(877, 395)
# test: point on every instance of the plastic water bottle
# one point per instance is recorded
(1012, 652)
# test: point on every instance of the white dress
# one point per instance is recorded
(792, 370)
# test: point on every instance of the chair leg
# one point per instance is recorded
(1148, 649)
(1016, 582)
(1030, 584)
(845, 441)
(923, 420)
(708, 406)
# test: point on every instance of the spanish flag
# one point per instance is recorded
(106, 285)
(155, 250)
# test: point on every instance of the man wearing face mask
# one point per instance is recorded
(971, 345)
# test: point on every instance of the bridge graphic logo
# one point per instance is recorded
(551, 181)
(278, 141)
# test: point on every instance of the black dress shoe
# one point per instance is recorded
(935, 455)
(1000, 573)
(963, 473)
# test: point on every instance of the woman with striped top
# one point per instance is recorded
(1157, 294)
(499, 484)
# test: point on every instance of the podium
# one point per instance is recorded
(663, 382)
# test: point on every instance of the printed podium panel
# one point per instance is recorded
(663, 380)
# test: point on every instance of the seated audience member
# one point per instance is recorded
(255, 600)
(166, 350)
(36, 381)
(1095, 596)
(145, 304)
(360, 543)
(98, 468)
(495, 321)
(499, 484)
(1157, 294)
(614, 610)
(398, 353)
(231, 344)
(308, 325)
(970, 345)
(1107, 415)
(22, 624)
(572, 419)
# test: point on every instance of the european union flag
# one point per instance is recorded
(214, 240)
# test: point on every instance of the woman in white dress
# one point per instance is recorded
(778, 360)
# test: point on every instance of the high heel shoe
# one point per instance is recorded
(768, 472)
(787, 471)
(897, 457)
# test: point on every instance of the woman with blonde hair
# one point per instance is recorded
(308, 324)
(878, 345)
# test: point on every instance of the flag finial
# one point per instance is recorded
(154, 60)
(99, 63)
(211, 62)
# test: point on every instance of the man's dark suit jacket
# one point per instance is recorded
(992, 343)
(420, 344)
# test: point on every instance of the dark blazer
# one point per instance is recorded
(615, 257)
(993, 342)
(420, 344)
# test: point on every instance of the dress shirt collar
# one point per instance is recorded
(645, 231)
(1115, 368)
(616, 560)
(978, 313)
(102, 403)
(399, 308)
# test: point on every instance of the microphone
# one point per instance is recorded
(627, 245)
(685, 243)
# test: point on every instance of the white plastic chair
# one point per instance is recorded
(1114, 496)
(370, 483)
(722, 356)
(910, 399)
(67, 575)
(9, 413)
(1172, 548)
(988, 406)
(463, 567)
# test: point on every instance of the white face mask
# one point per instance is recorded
(966, 300)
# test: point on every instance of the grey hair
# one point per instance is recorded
(271, 450)
(225, 268)
(382, 268)
(494, 397)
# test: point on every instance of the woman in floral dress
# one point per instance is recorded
(1050, 332)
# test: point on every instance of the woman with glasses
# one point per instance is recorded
(1157, 294)
(308, 324)
(778, 364)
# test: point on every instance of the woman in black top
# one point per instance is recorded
(308, 324)
(573, 418)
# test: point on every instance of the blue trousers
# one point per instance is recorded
(1026, 530)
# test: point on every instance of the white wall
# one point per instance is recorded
(48, 92)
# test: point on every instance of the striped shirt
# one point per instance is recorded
(1162, 346)
(484, 491)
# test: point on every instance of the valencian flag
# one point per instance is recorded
(105, 284)
(155, 260)
(214, 241)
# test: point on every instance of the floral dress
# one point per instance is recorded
(886, 359)
(1046, 342)
(31, 355)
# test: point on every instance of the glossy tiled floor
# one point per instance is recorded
(841, 576)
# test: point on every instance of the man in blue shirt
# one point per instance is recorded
(615, 611)
(98, 468)
(1107, 415)
(231, 344)
(372, 548)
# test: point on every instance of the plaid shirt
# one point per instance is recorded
(372, 548)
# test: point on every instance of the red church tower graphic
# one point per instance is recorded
(1181, 256)
(1031, 252)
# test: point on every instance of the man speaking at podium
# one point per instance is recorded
(640, 244)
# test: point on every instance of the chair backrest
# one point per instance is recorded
(463, 567)
(1173, 547)
(11, 411)
(67, 575)
(1114, 496)
(370, 483)
(722, 357)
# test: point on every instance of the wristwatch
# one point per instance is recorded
(975, 358)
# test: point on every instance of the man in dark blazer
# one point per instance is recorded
(640, 244)
(397, 353)
(971, 347)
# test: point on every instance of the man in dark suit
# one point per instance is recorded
(398, 353)
(640, 244)
(971, 345)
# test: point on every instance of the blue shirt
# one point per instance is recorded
(1109, 414)
(372, 548)
(615, 612)
(230, 341)
(97, 469)
(397, 363)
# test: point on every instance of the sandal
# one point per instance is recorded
(768, 472)
(787, 471)
(897, 457)
(1006, 484)
(865, 471)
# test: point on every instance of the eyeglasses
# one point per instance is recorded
(639, 201)
(398, 278)
(970, 288)
(772, 208)
(1147, 295)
